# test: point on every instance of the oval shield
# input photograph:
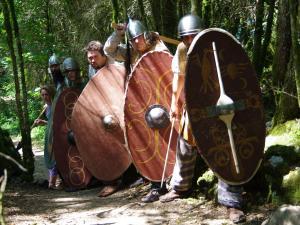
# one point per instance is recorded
(147, 106)
(68, 159)
(98, 123)
(224, 106)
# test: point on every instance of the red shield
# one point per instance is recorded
(202, 93)
(150, 85)
(101, 146)
(68, 159)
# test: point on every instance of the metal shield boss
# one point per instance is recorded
(68, 160)
(224, 106)
(98, 124)
(147, 123)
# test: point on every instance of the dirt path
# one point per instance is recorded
(28, 204)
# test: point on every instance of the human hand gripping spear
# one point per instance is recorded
(225, 103)
(20, 144)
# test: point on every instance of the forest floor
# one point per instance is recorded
(31, 204)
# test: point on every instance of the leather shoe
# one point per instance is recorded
(152, 196)
(236, 215)
(172, 195)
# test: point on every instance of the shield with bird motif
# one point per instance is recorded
(147, 123)
(98, 124)
(224, 105)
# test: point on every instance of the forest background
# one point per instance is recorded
(32, 30)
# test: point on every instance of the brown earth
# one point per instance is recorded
(31, 204)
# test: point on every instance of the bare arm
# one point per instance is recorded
(178, 67)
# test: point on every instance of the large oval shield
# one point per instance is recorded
(68, 160)
(98, 123)
(235, 161)
(149, 95)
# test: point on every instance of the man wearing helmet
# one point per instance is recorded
(54, 69)
(230, 196)
(140, 39)
(96, 57)
(72, 72)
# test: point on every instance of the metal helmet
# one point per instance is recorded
(189, 24)
(135, 28)
(53, 60)
(70, 64)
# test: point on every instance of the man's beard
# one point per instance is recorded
(58, 78)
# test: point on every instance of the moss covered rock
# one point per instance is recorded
(291, 186)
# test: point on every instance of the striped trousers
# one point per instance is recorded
(183, 172)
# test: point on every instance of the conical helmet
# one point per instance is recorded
(53, 60)
(189, 24)
(70, 64)
(135, 28)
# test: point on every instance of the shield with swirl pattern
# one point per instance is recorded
(147, 105)
(224, 106)
(68, 160)
(98, 124)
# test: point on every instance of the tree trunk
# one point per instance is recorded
(142, 11)
(10, 44)
(196, 7)
(180, 8)
(156, 14)
(206, 11)
(258, 33)
(28, 156)
(295, 33)
(287, 105)
(283, 45)
(169, 18)
(267, 38)
(21, 102)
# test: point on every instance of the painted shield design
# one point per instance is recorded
(224, 106)
(147, 123)
(68, 159)
(98, 124)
